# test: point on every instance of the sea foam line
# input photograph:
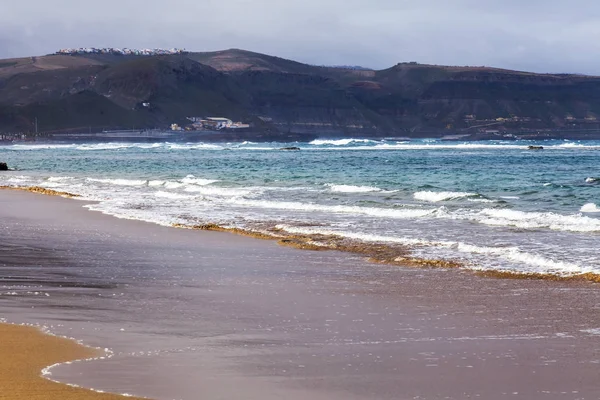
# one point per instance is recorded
(536, 264)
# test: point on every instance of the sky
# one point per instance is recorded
(531, 35)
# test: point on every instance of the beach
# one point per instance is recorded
(25, 352)
(192, 314)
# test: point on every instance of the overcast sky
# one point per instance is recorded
(535, 35)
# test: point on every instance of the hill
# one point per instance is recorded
(283, 96)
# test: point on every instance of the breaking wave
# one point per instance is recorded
(590, 208)
(353, 189)
(340, 142)
(534, 262)
(435, 197)
(537, 220)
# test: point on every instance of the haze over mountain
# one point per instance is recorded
(81, 91)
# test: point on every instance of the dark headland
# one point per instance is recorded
(84, 92)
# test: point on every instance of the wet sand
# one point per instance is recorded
(195, 314)
(25, 351)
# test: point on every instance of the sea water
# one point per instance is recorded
(489, 205)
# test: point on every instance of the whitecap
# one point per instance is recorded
(339, 142)
(191, 179)
(529, 263)
(352, 188)
(338, 209)
(120, 182)
(536, 220)
(590, 208)
(435, 197)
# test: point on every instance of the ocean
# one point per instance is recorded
(491, 206)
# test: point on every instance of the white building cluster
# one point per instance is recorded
(124, 51)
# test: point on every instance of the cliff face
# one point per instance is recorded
(283, 96)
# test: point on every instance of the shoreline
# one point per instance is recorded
(376, 252)
(28, 354)
(448, 332)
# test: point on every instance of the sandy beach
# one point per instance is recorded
(212, 315)
(25, 352)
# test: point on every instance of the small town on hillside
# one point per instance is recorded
(118, 51)
(209, 124)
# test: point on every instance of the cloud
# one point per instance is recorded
(536, 35)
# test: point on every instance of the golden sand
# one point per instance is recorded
(25, 351)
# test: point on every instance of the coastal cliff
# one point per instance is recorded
(80, 92)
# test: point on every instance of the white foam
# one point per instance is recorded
(120, 182)
(60, 178)
(339, 142)
(28, 147)
(221, 191)
(171, 195)
(536, 220)
(529, 263)
(193, 146)
(352, 188)
(572, 145)
(117, 146)
(590, 208)
(364, 237)
(174, 185)
(191, 179)
(337, 209)
(481, 200)
(155, 183)
(435, 197)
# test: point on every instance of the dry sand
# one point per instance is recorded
(25, 351)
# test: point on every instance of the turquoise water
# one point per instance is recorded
(490, 205)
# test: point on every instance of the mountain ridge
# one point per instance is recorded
(277, 95)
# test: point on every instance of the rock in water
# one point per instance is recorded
(3, 166)
(535, 147)
(290, 148)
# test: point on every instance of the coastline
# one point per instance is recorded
(26, 351)
(463, 333)
(377, 253)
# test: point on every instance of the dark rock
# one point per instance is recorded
(3, 166)
(535, 147)
(290, 148)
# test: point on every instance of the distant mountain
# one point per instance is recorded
(106, 88)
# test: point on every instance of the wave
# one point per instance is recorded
(537, 220)
(531, 263)
(222, 192)
(117, 146)
(156, 183)
(191, 179)
(339, 142)
(60, 178)
(572, 145)
(352, 188)
(337, 209)
(590, 208)
(120, 182)
(435, 197)
(194, 146)
(29, 147)
(171, 195)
